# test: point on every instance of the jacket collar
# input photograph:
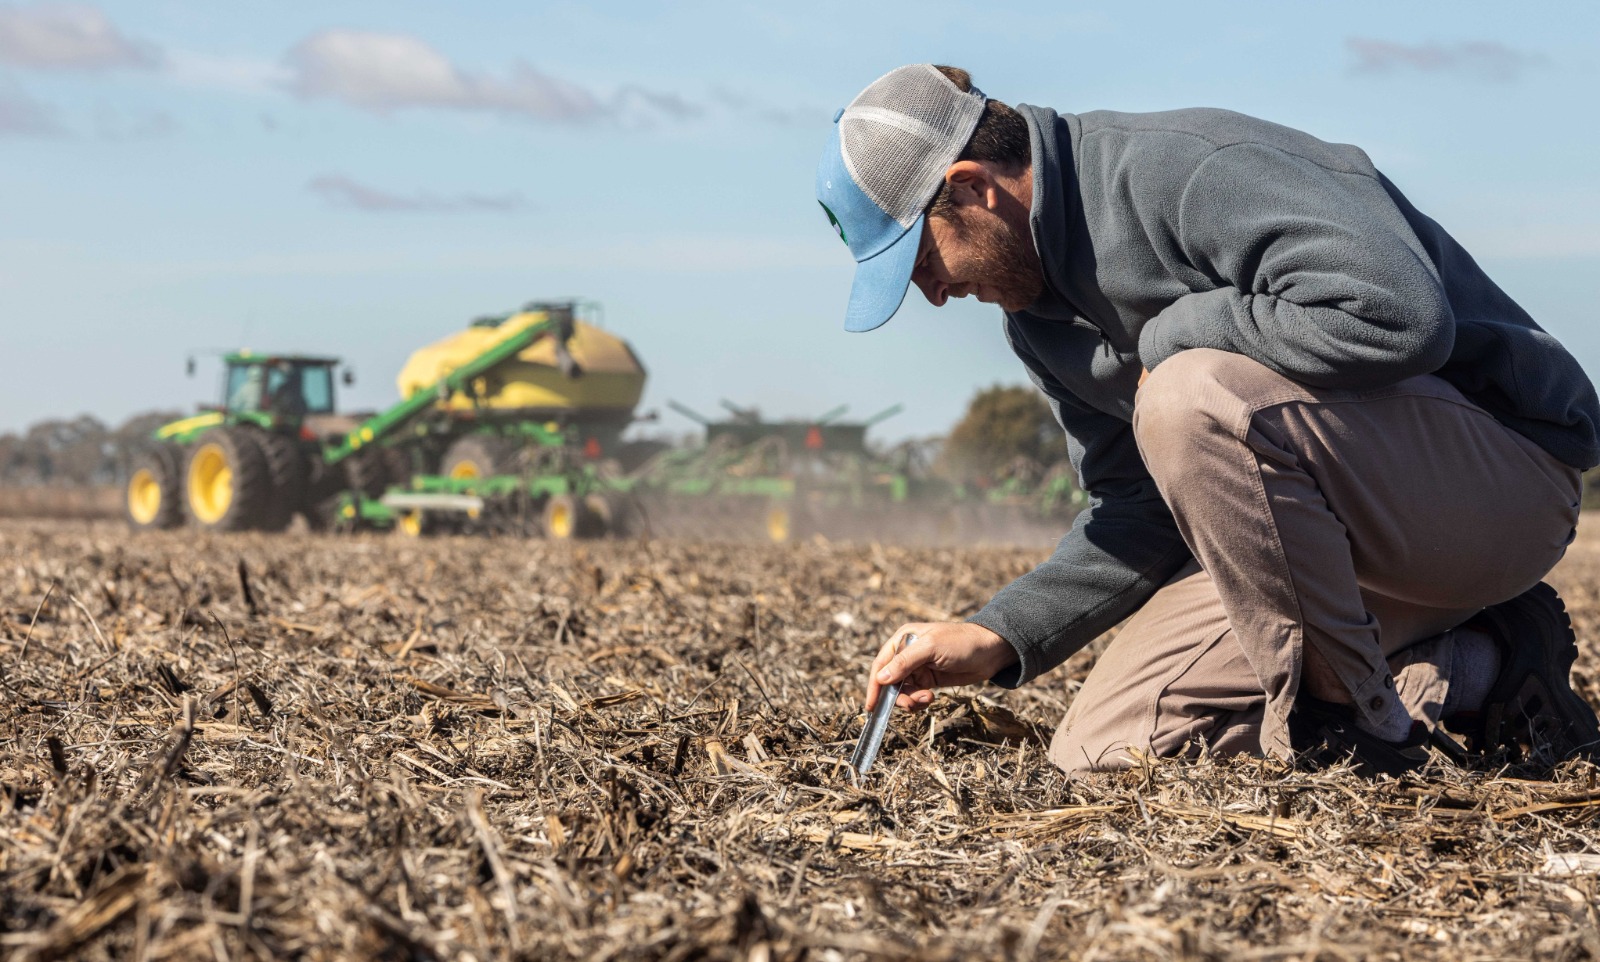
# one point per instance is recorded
(1055, 199)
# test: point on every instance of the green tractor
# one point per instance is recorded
(254, 460)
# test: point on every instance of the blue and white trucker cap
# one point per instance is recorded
(882, 168)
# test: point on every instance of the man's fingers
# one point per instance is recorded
(916, 690)
(915, 698)
(884, 657)
(885, 662)
(907, 669)
(909, 659)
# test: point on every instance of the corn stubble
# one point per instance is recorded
(296, 746)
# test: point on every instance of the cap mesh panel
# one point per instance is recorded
(902, 133)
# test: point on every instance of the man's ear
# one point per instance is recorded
(970, 183)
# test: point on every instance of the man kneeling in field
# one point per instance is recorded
(1328, 460)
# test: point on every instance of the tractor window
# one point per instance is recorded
(243, 392)
(284, 390)
(316, 387)
(295, 389)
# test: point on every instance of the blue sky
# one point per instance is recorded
(362, 178)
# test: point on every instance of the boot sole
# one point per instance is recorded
(1543, 719)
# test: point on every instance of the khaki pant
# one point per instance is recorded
(1339, 537)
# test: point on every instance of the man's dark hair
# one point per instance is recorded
(1001, 138)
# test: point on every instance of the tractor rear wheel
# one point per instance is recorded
(226, 483)
(155, 492)
(286, 466)
(481, 456)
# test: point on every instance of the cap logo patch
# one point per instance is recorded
(837, 227)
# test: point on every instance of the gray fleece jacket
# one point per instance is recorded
(1167, 231)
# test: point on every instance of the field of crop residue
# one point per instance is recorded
(312, 747)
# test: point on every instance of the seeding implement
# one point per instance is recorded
(515, 425)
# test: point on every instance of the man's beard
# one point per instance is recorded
(999, 259)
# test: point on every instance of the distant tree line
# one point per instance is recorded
(80, 452)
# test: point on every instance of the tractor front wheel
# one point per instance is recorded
(226, 481)
(154, 498)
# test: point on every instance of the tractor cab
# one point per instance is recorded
(287, 386)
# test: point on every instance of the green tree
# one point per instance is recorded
(1004, 426)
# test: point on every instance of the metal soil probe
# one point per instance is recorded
(878, 722)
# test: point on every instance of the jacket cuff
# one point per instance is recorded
(1027, 666)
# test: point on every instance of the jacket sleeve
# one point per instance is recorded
(1318, 275)
(1119, 551)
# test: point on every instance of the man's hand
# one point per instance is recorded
(944, 654)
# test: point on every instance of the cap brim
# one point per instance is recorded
(881, 282)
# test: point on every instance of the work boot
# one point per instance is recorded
(1323, 734)
(1531, 713)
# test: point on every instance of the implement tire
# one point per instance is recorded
(368, 472)
(225, 481)
(154, 499)
(397, 464)
(778, 521)
(481, 456)
(286, 466)
(561, 518)
(611, 514)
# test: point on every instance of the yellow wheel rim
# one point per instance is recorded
(210, 484)
(144, 496)
(465, 471)
(410, 524)
(561, 520)
(778, 524)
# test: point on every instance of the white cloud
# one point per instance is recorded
(376, 71)
(341, 191)
(384, 72)
(68, 36)
(1478, 59)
